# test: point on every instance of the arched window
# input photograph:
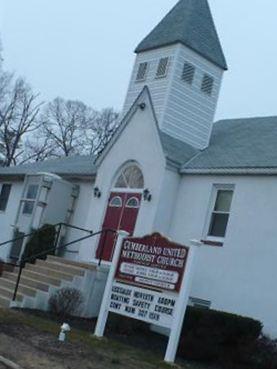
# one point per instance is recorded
(116, 202)
(130, 177)
(133, 202)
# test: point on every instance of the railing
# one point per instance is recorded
(23, 260)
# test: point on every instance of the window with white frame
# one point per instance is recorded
(220, 214)
(4, 195)
(142, 71)
(162, 68)
(30, 198)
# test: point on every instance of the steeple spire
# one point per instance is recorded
(190, 23)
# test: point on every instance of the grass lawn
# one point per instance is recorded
(31, 341)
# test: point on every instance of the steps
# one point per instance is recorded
(41, 279)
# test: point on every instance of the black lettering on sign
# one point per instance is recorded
(122, 291)
(142, 313)
(115, 305)
(141, 304)
(163, 310)
(119, 298)
(130, 310)
(166, 302)
(154, 316)
(143, 296)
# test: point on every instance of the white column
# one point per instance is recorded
(181, 306)
(104, 310)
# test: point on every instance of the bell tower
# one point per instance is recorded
(182, 63)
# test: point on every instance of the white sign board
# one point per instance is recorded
(149, 280)
(146, 305)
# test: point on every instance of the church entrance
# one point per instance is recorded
(122, 209)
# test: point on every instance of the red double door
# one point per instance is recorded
(121, 214)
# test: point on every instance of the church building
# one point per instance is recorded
(169, 168)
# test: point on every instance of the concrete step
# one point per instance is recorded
(27, 281)
(8, 293)
(69, 269)
(25, 290)
(4, 302)
(59, 274)
(78, 264)
(41, 277)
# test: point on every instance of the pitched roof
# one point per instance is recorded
(69, 166)
(238, 144)
(191, 23)
(176, 151)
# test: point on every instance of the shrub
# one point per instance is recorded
(261, 355)
(210, 335)
(42, 240)
(124, 326)
(65, 301)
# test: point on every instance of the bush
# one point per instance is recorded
(210, 335)
(261, 355)
(64, 302)
(42, 240)
(124, 326)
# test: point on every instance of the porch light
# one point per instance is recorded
(147, 195)
(97, 192)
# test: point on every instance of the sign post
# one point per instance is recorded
(104, 310)
(182, 303)
(149, 280)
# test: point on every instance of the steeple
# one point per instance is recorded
(190, 23)
(182, 63)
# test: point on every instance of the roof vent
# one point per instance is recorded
(188, 73)
(162, 68)
(142, 69)
(207, 84)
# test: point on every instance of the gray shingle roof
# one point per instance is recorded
(191, 23)
(175, 150)
(239, 143)
(249, 143)
(70, 166)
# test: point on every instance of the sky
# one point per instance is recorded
(83, 49)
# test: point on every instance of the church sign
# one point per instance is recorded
(149, 280)
(152, 262)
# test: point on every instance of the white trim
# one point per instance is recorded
(214, 191)
(230, 171)
(115, 206)
(128, 190)
(133, 207)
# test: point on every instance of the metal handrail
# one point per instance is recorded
(50, 226)
(23, 261)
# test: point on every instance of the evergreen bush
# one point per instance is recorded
(42, 240)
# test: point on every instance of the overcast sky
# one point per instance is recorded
(83, 49)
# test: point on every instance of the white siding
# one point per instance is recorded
(8, 217)
(158, 86)
(189, 112)
(152, 163)
(79, 217)
(240, 276)
(183, 110)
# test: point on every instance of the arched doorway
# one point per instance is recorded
(122, 208)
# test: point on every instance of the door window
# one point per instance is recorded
(29, 201)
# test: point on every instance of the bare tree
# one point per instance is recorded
(62, 124)
(18, 117)
(70, 127)
(100, 130)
